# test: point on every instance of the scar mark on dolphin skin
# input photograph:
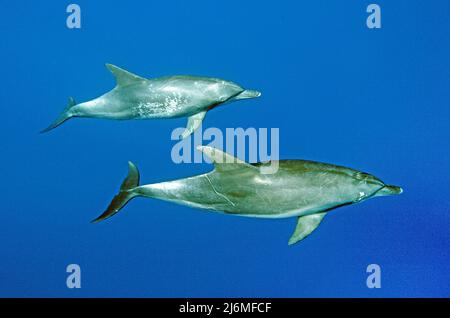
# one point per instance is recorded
(261, 196)
(218, 193)
(237, 194)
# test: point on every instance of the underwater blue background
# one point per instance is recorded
(373, 100)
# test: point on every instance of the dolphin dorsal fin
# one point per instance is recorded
(123, 77)
(222, 160)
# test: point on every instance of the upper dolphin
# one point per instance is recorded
(307, 190)
(135, 97)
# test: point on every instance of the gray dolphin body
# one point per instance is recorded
(303, 189)
(135, 97)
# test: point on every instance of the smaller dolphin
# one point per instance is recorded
(307, 190)
(135, 97)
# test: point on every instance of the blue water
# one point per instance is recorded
(374, 100)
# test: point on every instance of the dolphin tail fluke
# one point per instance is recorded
(63, 117)
(125, 194)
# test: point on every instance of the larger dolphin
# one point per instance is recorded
(135, 97)
(304, 189)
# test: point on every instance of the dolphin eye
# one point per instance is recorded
(368, 178)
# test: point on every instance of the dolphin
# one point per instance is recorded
(304, 189)
(135, 97)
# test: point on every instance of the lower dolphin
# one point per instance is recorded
(135, 97)
(307, 190)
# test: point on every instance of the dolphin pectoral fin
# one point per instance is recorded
(193, 123)
(305, 226)
(124, 78)
(224, 161)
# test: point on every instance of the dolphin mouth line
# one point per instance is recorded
(388, 190)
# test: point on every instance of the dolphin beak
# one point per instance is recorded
(248, 93)
(389, 190)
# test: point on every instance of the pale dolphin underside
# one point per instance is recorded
(307, 190)
(135, 97)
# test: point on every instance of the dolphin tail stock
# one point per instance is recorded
(65, 115)
(125, 194)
